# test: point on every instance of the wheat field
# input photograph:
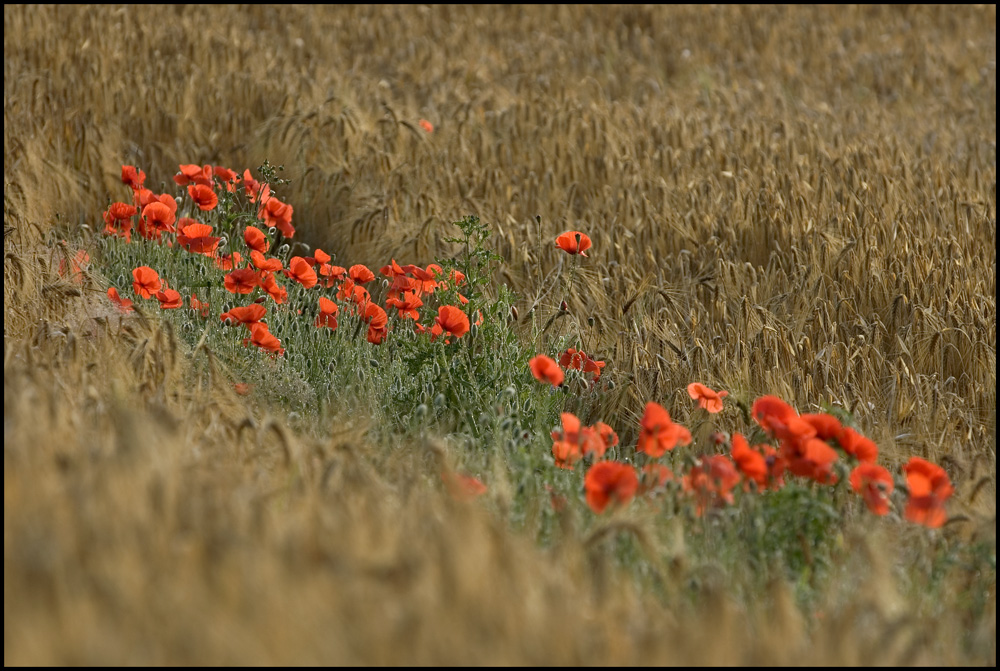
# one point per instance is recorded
(797, 201)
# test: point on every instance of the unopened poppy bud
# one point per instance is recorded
(271, 231)
(283, 250)
(513, 311)
(179, 200)
(422, 410)
(361, 375)
(564, 307)
(228, 321)
(527, 405)
(260, 299)
(473, 331)
(385, 283)
(611, 384)
(439, 401)
(331, 366)
(484, 419)
(373, 363)
(507, 424)
(590, 321)
(121, 279)
(509, 391)
(436, 369)
(223, 242)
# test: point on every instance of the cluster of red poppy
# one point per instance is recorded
(545, 368)
(154, 217)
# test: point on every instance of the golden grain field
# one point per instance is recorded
(797, 201)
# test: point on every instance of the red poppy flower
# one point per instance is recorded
(77, 265)
(123, 304)
(607, 434)
(578, 360)
(566, 442)
(654, 477)
(545, 369)
(255, 239)
(407, 304)
(226, 176)
(170, 299)
(827, 426)
(751, 463)
(260, 262)
(241, 388)
(203, 196)
(658, 434)
(771, 412)
(361, 274)
(452, 320)
(197, 174)
(198, 306)
(300, 271)
(810, 458)
(277, 214)
(327, 313)
(875, 484)
(852, 442)
(255, 190)
(198, 239)
(270, 285)
(708, 399)
(228, 261)
(146, 281)
(426, 280)
(118, 220)
(573, 242)
(427, 125)
(609, 482)
(264, 339)
(711, 482)
(251, 314)
(462, 487)
(241, 281)
(133, 177)
(157, 218)
(929, 488)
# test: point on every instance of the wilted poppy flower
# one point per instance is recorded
(874, 483)
(708, 399)
(852, 442)
(255, 239)
(657, 433)
(573, 242)
(610, 482)
(277, 214)
(203, 196)
(198, 239)
(146, 281)
(545, 369)
(327, 313)
(361, 274)
(133, 177)
(452, 320)
(123, 304)
(170, 299)
(264, 339)
(711, 482)
(197, 174)
(118, 220)
(427, 125)
(462, 487)
(300, 271)
(241, 281)
(929, 487)
(251, 314)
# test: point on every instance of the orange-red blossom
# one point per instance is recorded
(610, 482)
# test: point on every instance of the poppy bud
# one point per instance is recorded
(590, 321)
(283, 249)
(564, 307)
(484, 419)
(509, 391)
(179, 200)
(507, 424)
(228, 321)
(513, 311)
(332, 366)
(271, 231)
(121, 279)
(373, 363)
(361, 375)
(436, 369)
(473, 331)
(260, 299)
(385, 283)
(527, 405)
(223, 242)
(611, 385)
(421, 411)
(439, 401)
